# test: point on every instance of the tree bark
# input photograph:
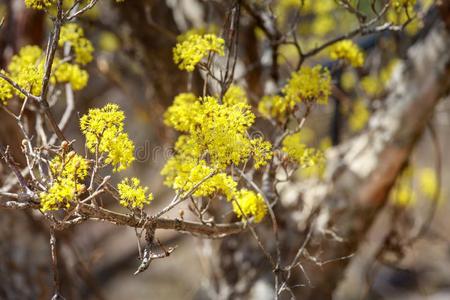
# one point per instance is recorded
(362, 171)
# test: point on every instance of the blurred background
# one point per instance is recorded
(134, 68)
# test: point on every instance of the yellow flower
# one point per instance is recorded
(261, 151)
(213, 129)
(359, 117)
(234, 95)
(428, 182)
(399, 4)
(403, 195)
(248, 204)
(184, 174)
(6, 90)
(214, 137)
(39, 4)
(371, 85)
(209, 29)
(72, 74)
(103, 129)
(323, 25)
(132, 194)
(74, 35)
(181, 114)
(109, 42)
(348, 51)
(403, 12)
(69, 172)
(61, 194)
(348, 80)
(188, 53)
(300, 153)
(309, 85)
(70, 165)
(27, 69)
(276, 107)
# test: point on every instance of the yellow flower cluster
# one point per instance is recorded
(248, 203)
(359, 117)
(74, 35)
(216, 130)
(27, 69)
(185, 174)
(402, 193)
(209, 29)
(428, 182)
(303, 155)
(311, 85)
(398, 4)
(214, 137)
(39, 4)
(373, 85)
(188, 53)
(401, 12)
(70, 73)
(132, 194)
(234, 95)
(69, 171)
(347, 50)
(6, 90)
(276, 107)
(103, 129)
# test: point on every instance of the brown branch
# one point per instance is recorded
(50, 56)
(210, 231)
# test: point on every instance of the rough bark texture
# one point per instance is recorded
(362, 171)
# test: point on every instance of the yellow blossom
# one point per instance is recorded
(348, 51)
(403, 13)
(300, 153)
(69, 171)
(188, 53)
(132, 194)
(371, 85)
(402, 193)
(109, 42)
(60, 195)
(261, 151)
(6, 90)
(27, 69)
(185, 174)
(323, 25)
(348, 80)
(234, 95)
(309, 85)
(209, 29)
(213, 129)
(70, 165)
(39, 4)
(249, 204)
(74, 35)
(72, 74)
(428, 182)
(103, 129)
(276, 107)
(214, 137)
(359, 117)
